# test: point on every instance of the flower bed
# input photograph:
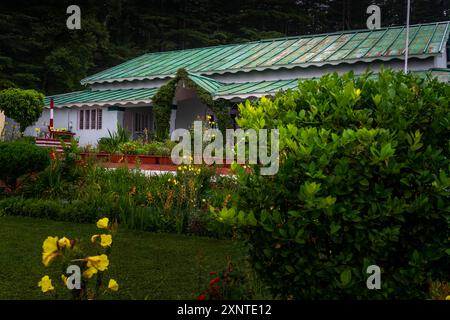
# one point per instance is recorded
(130, 158)
(134, 158)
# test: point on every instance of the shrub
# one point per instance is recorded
(363, 180)
(18, 159)
(24, 106)
(59, 210)
(112, 142)
(130, 147)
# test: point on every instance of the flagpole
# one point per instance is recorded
(52, 106)
(407, 35)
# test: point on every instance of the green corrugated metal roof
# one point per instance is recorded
(244, 90)
(216, 88)
(102, 97)
(208, 84)
(302, 51)
(232, 90)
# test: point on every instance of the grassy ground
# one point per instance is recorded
(146, 265)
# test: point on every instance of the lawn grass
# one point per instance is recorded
(146, 265)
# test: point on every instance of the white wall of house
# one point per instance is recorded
(440, 61)
(69, 118)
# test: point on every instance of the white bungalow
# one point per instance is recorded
(123, 94)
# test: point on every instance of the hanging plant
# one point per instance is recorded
(162, 103)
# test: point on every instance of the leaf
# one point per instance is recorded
(335, 228)
(376, 99)
(346, 277)
(251, 219)
(290, 269)
(386, 151)
(364, 182)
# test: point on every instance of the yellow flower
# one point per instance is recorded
(64, 279)
(64, 243)
(46, 284)
(98, 262)
(106, 240)
(50, 250)
(94, 237)
(88, 273)
(103, 223)
(50, 244)
(113, 285)
(357, 92)
(447, 298)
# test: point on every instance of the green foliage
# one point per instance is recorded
(364, 179)
(112, 143)
(162, 105)
(37, 50)
(221, 109)
(157, 148)
(230, 284)
(23, 106)
(130, 147)
(6, 84)
(59, 210)
(161, 203)
(153, 148)
(19, 159)
(162, 102)
(59, 179)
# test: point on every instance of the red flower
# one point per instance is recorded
(201, 297)
(213, 281)
(215, 290)
(212, 273)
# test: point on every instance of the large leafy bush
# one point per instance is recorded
(363, 179)
(18, 159)
(24, 106)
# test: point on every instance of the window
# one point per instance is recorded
(99, 119)
(141, 122)
(87, 115)
(81, 119)
(91, 119)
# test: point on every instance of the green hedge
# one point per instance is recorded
(74, 211)
(20, 158)
(363, 179)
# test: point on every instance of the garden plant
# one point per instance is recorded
(364, 180)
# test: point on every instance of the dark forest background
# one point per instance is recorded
(38, 51)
